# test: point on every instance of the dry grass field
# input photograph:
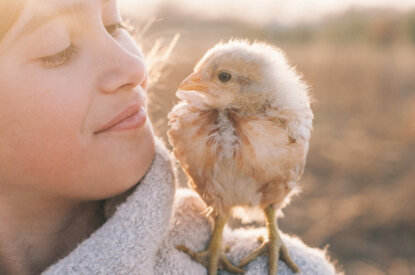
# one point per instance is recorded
(359, 184)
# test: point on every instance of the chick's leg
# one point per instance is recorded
(214, 257)
(273, 247)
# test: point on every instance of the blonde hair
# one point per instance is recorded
(9, 12)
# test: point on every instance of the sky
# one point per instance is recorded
(260, 11)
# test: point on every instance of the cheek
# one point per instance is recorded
(46, 158)
(40, 128)
(42, 154)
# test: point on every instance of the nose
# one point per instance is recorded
(122, 67)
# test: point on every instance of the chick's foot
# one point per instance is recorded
(212, 260)
(274, 247)
(214, 257)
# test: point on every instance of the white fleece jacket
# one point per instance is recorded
(146, 224)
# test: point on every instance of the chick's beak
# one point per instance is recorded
(193, 83)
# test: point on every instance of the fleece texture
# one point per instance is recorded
(146, 224)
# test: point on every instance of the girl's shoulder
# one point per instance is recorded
(192, 228)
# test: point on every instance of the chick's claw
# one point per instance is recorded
(205, 258)
(274, 250)
(200, 257)
(274, 247)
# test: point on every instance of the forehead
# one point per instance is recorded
(59, 4)
(37, 12)
(44, 10)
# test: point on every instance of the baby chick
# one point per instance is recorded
(241, 133)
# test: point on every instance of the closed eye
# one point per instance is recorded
(66, 55)
(59, 58)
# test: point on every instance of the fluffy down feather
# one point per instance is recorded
(242, 142)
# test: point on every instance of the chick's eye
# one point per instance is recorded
(224, 77)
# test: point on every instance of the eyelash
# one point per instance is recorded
(111, 29)
(65, 56)
(59, 58)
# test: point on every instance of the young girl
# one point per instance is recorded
(85, 188)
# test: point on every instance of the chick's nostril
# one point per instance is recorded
(191, 80)
(195, 77)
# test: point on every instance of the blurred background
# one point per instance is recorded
(358, 199)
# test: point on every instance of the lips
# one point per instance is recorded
(133, 116)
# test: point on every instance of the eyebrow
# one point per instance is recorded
(40, 19)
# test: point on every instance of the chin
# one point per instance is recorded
(126, 167)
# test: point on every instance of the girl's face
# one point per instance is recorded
(67, 70)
